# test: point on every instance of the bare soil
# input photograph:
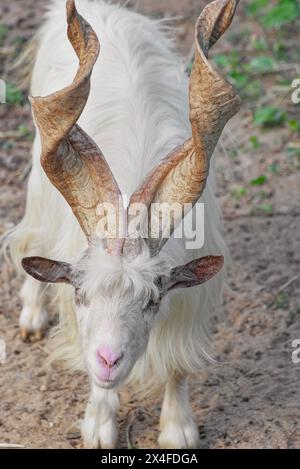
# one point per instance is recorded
(251, 399)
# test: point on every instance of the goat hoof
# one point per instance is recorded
(38, 335)
(24, 335)
(99, 435)
(96, 443)
(175, 436)
(28, 336)
(33, 322)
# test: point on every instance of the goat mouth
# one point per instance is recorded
(104, 383)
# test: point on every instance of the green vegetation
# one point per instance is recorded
(282, 300)
(267, 209)
(270, 116)
(261, 64)
(274, 16)
(239, 192)
(260, 181)
(265, 54)
(3, 33)
(14, 96)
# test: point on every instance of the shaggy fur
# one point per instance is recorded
(137, 112)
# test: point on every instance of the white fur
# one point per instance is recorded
(137, 112)
(114, 314)
(99, 429)
(178, 429)
(33, 316)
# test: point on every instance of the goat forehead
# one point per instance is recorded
(125, 289)
(118, 286)
(118, 302)
(103, 273)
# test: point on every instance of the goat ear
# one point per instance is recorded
(46, 270)
(194, 273)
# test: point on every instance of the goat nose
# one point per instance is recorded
(107, 357)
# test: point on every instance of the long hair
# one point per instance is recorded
(137, 112)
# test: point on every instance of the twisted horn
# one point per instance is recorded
(181, 177)
(71, 160)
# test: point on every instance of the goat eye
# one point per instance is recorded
(159, 283)
(80, 298)
(153, 303)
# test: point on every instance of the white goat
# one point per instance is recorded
(121, 326)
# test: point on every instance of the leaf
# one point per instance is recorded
(294, 125)
(189, 69)
(25, 132)
(256, 6)
(261, 64)
(255, 143)
(294, 149)
(273, 168)
(3, 32)
(230, 60)
(269, 116)
(239, 192)
(266, 208)
(280, 50)
(222, 60)
(284, 81)
(282, 300)
(238, 79)
(253, 90)
(13, 94)
(260, 181)
(285, 12)
(259, 44)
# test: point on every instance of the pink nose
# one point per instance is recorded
(108, 358)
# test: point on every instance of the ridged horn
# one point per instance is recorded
(181, 177)
(70, 158)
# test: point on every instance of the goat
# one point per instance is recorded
(127, 316)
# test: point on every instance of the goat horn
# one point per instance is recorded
(72, 161)
(181, 177)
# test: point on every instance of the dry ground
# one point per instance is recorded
(252, 399)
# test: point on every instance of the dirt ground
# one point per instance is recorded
(251, 400)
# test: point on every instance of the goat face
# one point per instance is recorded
(117, 302)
